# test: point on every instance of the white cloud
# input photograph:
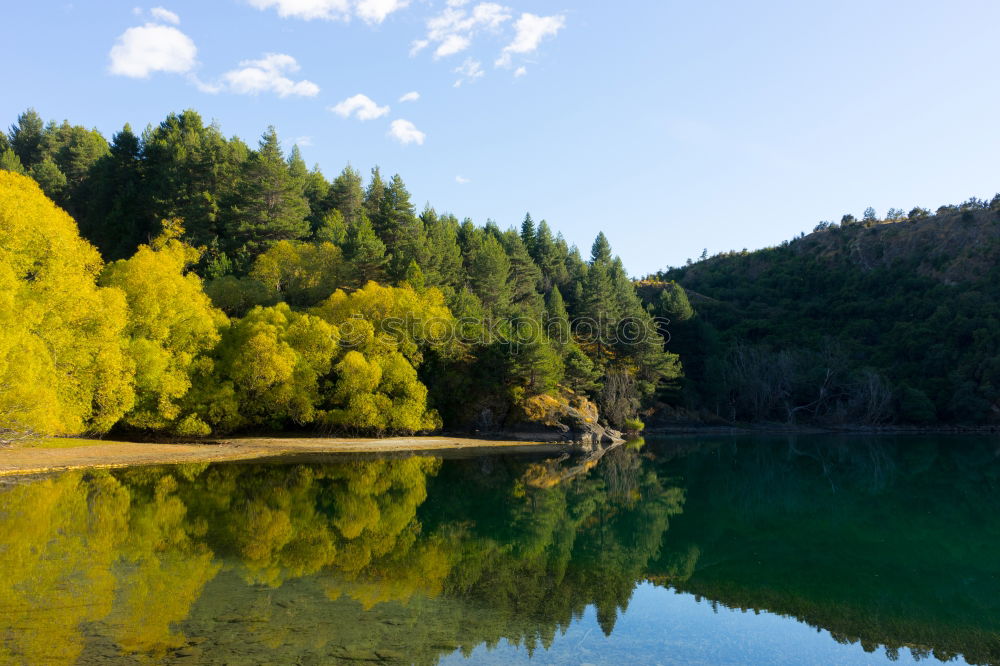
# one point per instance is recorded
(462, 180)
(531, 30)
(451, 45)
(410, 97)
(304, 141)
(405, 132)
(149, 48)
(361, 106)
(268, 75)
(307, 9)
(370, 11)
(454, 28)
(375, 11)
(165, 15)
(520, 71)
(470, 70)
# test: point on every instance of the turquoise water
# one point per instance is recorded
(807, 550)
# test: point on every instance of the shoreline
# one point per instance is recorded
(27, 461)
(805, 429)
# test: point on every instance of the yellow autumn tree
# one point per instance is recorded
(300, 273)
(384, 333)
(416, 321)
(172, 327)
(63, 362)
(268, 370)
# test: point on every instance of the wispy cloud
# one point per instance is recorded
(405, 132)
(468, 71)
(268, 74)
(462, 180)
(304, 141)
(143, 50)
(531, 30)
(165, 15)
(520, 71)
(370, 11)
(454, 28)
(360, 106)
(410, 97)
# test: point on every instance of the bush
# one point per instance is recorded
(634, 425)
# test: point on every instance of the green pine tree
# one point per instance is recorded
(9, 161)
(347, 195)
(25, 138)
(366, 252)
(489, 275)
(270, 203)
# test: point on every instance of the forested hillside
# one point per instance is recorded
(873, 321)
(233, 288)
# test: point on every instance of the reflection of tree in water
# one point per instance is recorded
(58, 538)
(885, 542)
(540, 555)
(131, 552)
(890, 544)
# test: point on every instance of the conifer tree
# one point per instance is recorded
(524, 273)
(443, 255)
(528, 234)
(347, 195)
(26, 136)
(112, 214)
(366, 252)
(49, 177)
(601, 249)
(270, 204)
(374, 194)
(9, 161)
(399, 228)
(317, 192)
(489, 275)
(331, 228)
(190, 171)
(414, 276)
(547, 254)
(74, 149)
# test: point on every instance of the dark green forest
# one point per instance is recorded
(871, 321)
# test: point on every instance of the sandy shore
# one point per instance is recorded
(124, 454)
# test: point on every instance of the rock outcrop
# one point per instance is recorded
(567, 418)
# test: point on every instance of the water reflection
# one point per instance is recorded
(887, 543)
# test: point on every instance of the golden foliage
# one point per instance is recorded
(63, 366)
(171, 324)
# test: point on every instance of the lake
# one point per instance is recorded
(746, 549)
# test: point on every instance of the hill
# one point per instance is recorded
(870, 321)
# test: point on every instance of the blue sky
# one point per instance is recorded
(672, 126)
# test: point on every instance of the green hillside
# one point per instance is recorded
(871, 321)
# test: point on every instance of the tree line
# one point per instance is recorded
(183, 282)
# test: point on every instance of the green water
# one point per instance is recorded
(686, 550)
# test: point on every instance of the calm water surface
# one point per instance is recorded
(685, 550)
